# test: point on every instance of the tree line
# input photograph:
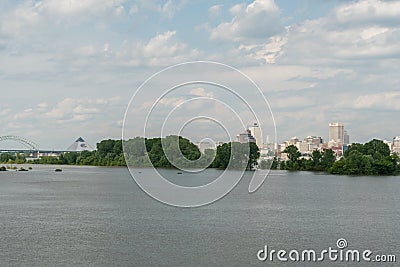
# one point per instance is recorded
(178, 151)
(158, 152)
(372, 158)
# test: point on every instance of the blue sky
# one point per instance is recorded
(68, 68)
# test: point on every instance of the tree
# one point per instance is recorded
(372, 158)
(293, 153)
(282, 165)
(327, 160)
(223, 156)
(316, 157)
(263, 164)
(377, 148)
(235, 155)
(253, 156)
(275, 164)
(339, 167)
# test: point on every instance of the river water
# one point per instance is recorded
(90, 216)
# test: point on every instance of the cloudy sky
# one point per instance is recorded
(69, 67)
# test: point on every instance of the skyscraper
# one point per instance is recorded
(346, 138)
(336, 133)
(256, 133)
(246, 137)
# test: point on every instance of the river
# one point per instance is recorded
(92, 216)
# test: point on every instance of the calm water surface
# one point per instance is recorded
(87, 216)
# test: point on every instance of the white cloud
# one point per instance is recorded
(201, 92)
(172, 101)
(77, 7)
(237, 9)
(86, 50)
(5, 112)
(32, 16)
(161, 50)
(25, 114)
(16, 22)
(167, 9)
(259, 20)
(19, 126)
(268, 52)
(42, 105)
(369, 11)
(73, 109)
(120, 11)
(382, 101)
(214, 11)
(324, 42)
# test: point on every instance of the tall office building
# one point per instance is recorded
(256, 133)
(336, 133)
(346, 138)
(246, 137)
(396, 145)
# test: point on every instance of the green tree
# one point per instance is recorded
(253, 156)
(316, 158)
(294, 155)
(235, 155)
(263, 164)
(282, 165)
(372, 158)
(222, 156)
(327, 160)
(275, 164)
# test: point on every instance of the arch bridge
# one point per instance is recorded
(32, 146)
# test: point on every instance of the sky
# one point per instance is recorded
(69, 68)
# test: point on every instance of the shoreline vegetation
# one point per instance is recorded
(142, 152)
(372, 158)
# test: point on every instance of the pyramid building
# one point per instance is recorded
(80, 145)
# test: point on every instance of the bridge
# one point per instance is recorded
(31, 147)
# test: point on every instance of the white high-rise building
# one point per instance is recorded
(256, 133)
(396, 145)
(336, 133)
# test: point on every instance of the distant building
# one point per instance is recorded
(316, 140)
(79, 145)
(293, 141)
(346, 138)
(256, 133)
(203, 145)
(338, 150)
(336, 134)
(303, 147)
(219, 143)
(396, 145)
(246, 137)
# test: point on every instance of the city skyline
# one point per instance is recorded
(69, 68)
(241, 137)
